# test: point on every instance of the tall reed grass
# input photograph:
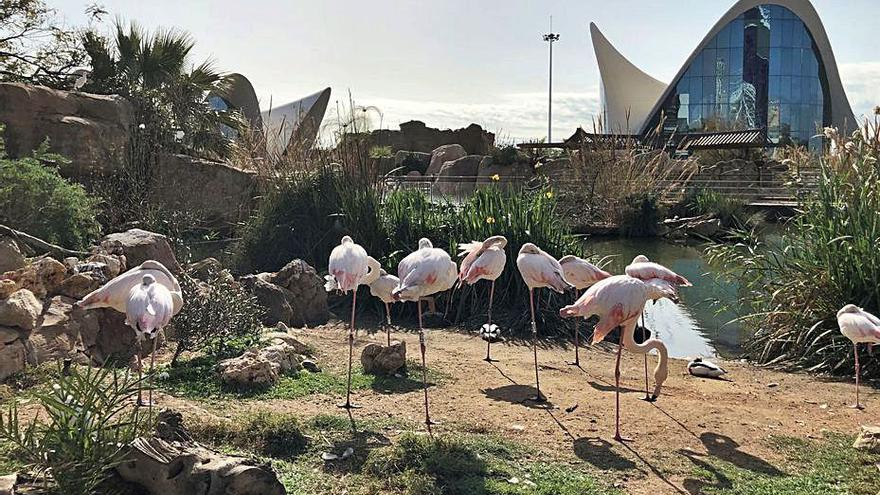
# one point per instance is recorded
(828, 257)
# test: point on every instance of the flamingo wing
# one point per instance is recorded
(488, 266)
(614, 300)
(647, 270)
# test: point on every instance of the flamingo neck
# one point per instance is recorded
(662, 370)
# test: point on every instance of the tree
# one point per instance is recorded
(35, 47)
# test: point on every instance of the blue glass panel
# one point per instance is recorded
(694, 117)
(809, 66)
(776, 61)
(796, 94)
(696, 90)
(787, 56)
(785, 89)
(708, 90)
(736, 61)
(723, 37)
(776, 34)
(796, 57)
(775, 13)
(709, 62)
(775, 85)
(696, 68)
(722, 62)
(736, 32)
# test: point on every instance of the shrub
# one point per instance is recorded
(731, 211)
(381, 152)
(263, 432)
(640, 215)
(34, 198)
(793, 288)
(508, 155)
(219, 318)
(85, 430)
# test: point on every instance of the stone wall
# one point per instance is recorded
(91, 130)
(416, 136)
(213, 188)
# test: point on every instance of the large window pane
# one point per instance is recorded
(776, 61)
(696, 90)
(736, 33)
(736, 61)
(708, 90)
(787, 55)
(785, 89)
(776, 34)
(775, 87)
(724, 37)
(796, 94)
(787, 30)
(709, 62)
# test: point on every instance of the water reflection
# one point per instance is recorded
(693, 328)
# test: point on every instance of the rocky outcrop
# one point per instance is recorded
(225, 193)
(443, 154)
(140, 245)
(21, 309)
(13, 357)
(294, 295)
(458, 177)
(411, 161)
(868, 439)
(11, 257)
(260, 367)
(416, 136)
(170, 463)
(383, 360)
(90, 130)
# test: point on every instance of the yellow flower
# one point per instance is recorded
(496, 177)
(549, 194)
(490, 219)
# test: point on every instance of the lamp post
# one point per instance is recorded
(550, 38)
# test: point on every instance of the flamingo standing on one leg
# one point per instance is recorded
(582, 274)
(426, 271)
(644, 269)
(382, 288)
(860, 327)
(143, 294)
(539, 269)
(618, 301)
(350, 266)
(484, 261)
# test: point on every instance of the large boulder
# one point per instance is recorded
(57, 336)
(383, 360)
(21, 309)
(13, 357)
(140, 245)
(868, 439)
(287, 357)
(170, 463)
(410, 161)
(443, 154)
(11, 257)
(458, 176)
(305, 293)
(270, 297)
(250, 369)
(106, 337)
(90, 130)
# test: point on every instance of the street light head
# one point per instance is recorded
(551, 37)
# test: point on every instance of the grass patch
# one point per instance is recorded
(267, 433)
(197, 379)
(812, 467)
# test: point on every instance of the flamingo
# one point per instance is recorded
(539, 269)
(426, 271)
(860, 327)
(350, 266)
(382, 288)
(644, 269)
(484, 261)
(582, 274)
(618, 301)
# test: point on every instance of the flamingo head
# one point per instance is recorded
(529, 248)
(425, 243)
(640, 259)
(149, 279)
(497, 240)
(346, 240)
(849, 308)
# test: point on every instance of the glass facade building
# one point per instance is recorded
(763, 70)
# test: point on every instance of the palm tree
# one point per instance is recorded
(155, 72)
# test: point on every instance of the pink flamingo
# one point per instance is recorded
(426, 271)
(539, 269)
(382, 288)
(149, 295)
(618, 301)
(582, 274)
(350, 266)
(484, 261)
(860, 327)
(643, 269)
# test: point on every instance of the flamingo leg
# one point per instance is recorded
(348, 404)
(577, 343)
(647, 390)
(617, 436)
(140, 400)
(428, 421)
(540, 397)
(150, 375)
(489, 343)
(856, 354)
(388, 317)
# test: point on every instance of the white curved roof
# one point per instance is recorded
(295, 123)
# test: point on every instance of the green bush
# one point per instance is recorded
(507, 155)
(263, 432)
(35, 199)
(87, 426)
(220, 319)
(640, 215)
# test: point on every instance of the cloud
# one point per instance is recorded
(860, 80)
(514, 117)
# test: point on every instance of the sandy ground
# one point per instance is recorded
(693, 418)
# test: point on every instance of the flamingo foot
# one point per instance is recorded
(145, 403)
(649, 398)
(618, 438)
(859, 407)
(576, 362)
(539, 399)
(348, 405)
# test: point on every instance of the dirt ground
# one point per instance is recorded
(693, 418)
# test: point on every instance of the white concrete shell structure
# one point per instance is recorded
(295, 124)
(625, 88)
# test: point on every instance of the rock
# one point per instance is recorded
(705, 228)
(78, 285)
(311, 366)
(140, 245)
(9, 335)
(21, 309)
(270, 297)
(205, 268)
(249, 369)
(508, 175)
(50, 273)
(113, 265)
(416, 136)
(105, 336)
(459, 176)
(443, 154)
(13, 358)
(7, 484)
(285, 355)
(555, 169)
(414, 175)
(7, 287)
(411, 161)
(10, 255)
(90, 130)
(168, 463)
(57, 335)
(868, 439)
(306, 294)
(286, 338)
(381, 360)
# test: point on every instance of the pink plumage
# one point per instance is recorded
(482, 260)
(580, 272)
(643, 269)
(539, 269)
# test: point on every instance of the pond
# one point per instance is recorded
(694, 327)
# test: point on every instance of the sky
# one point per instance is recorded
(452, 62)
